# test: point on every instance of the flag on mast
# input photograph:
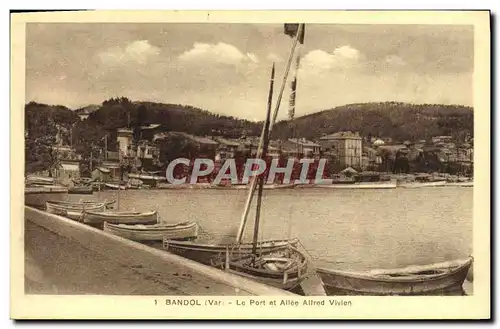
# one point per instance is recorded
(293, 29)
(293, 94)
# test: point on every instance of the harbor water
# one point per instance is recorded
(341, 229)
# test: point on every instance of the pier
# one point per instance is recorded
(63, 256)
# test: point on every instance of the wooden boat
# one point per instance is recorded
(147, 177)
(246, 187)
(39, 180)
(282, 269)
(461, 184)
(278, 186)
(434, 279)
(80, 204)
(81, 190)
(115, 186)
(439, 183)
(360, 186)
(213, 254)
(37, 196)
(73, 211)
(155, 232)
(120, 217)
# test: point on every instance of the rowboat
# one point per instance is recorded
(282, 269)
(39, 180)
(115, 186)
(73, 211)
(212, 254)
(80, 204)
(80, 190)
(361, 186)
(433, 279)
(439, 183)
(120, 217)
(461, 184)
(246, 187)
(155, 232)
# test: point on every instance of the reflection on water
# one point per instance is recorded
(345, 229)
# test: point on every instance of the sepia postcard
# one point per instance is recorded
(250, 165)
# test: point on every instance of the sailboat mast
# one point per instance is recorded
(253, 184)
(264, 154)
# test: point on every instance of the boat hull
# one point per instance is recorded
(144, 233)
(150, 217)
(437, 279)
(81, 190)
(276, 278)
(358, 186)
(426, 184)
(38, 196)
(73, 211)
(461, 184)
(212, 254)
(115, 186)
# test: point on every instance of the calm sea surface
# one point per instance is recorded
(343, 229)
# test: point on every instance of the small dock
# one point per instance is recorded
(63, 256)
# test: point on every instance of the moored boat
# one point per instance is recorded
(439, 183)
(211, 254)
(81, 190)
(282, 269)
(154, 232)
(434, 279)
(75, 210)
(374, 185)
(461, 184)
(37, 196)
(115, 186)
(120, 217)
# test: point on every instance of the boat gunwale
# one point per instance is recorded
(247, 245)
(123, 214)
(453, 269)
(180, 226)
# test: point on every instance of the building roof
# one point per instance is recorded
(198, 139)
(303, 142)
(227, 142)
(103, 170)
(342, 135)
(68, 166)
(393, 148)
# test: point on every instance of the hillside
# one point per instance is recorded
(400, 121)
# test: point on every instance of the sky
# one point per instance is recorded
(225, 68)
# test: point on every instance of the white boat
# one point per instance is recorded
(154, 232)
(423, 184)
(360, 186)
(433, 279)
(461, 184)
(147, 177)
(115, 186)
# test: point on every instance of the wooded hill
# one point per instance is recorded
(400, 121)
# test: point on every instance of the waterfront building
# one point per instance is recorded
(67, 170)
(347, 147)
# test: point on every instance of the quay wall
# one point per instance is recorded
(184, 276)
